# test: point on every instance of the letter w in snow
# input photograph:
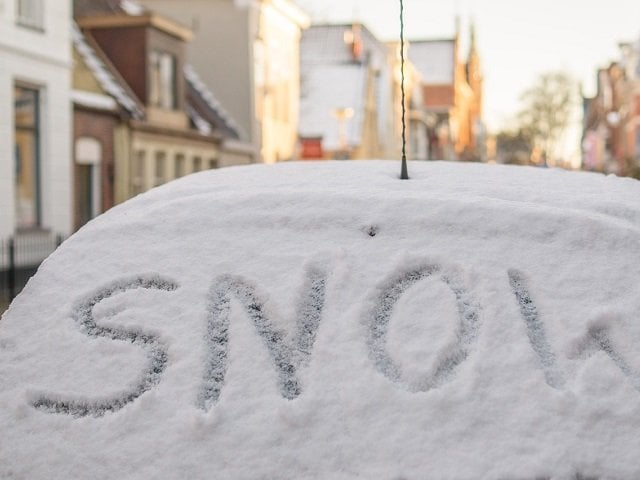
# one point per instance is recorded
(597, 339)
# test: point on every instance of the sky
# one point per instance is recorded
(518, 40)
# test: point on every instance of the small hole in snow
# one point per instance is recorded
(372, 231)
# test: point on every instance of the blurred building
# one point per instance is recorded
(248, 53)
(142, 115)
(35, 137)
(452, 97)
(630, 63)
(35, 131)
(347, 94)
(510, 148)
(102, 106)
(611, 122)
(602, 140)
(417, 120)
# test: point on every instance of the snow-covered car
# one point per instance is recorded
(331, 321)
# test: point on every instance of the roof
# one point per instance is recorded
(106, 75)
(326, 44)
(205, 110)
(434, 60)
(327, 320)
(94, 7)
(97, 14)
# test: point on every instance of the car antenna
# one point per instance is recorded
(404, 174)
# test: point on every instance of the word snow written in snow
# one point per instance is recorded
(288, 357)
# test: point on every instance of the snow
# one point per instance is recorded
(205, 93)
(435, 60)
(204, 127)
(132, 8)
(93, 100)
(328, 320)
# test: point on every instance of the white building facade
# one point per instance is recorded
(35, 117)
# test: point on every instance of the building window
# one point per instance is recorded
(162, 84)
(88, 153)
(30, 13)
(138, 171)
(197, 164)
(161, 168)
(180, 166)
(27, 157)
(213, 163)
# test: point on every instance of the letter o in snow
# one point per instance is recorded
(379, 325)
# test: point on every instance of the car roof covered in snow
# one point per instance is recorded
(328, 320)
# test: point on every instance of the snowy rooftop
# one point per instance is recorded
(218, 118)
(330, 321)
(105, 76)
(127, 7)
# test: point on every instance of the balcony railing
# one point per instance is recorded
(20, 257)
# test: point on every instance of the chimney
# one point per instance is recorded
(353, 40)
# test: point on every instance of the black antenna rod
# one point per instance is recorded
(404, 174)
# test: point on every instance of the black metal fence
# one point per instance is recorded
(20, 257)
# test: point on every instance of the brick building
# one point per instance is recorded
(248, 53)
(142, 115)
(611, 122)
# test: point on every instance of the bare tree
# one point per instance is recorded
(547, 109)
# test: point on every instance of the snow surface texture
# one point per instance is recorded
(330, 321)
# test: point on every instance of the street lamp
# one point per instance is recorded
(342, 115)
